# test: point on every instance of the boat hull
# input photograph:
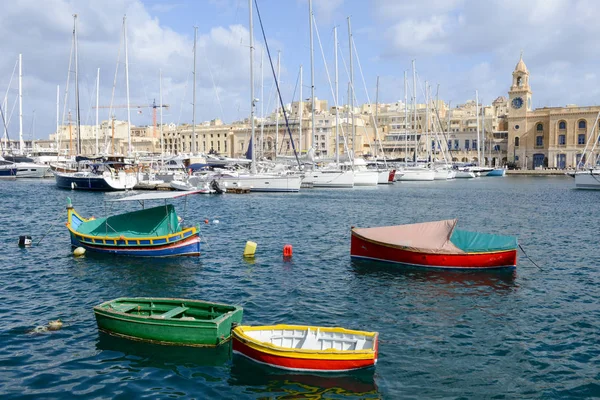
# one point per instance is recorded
(368, 249)
(497, 172)
(262, 183)
(329, 179)
(206, 329)
(366, 178)
(299, 364)
(29, 170)
(294, 359)
(94, 182)
(418, 174)
(587, 180)
(187, 247)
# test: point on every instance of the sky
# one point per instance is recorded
(460, 45)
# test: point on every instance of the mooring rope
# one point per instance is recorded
(529, 258)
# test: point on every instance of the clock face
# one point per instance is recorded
(517, 102)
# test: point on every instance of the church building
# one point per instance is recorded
(548, 137)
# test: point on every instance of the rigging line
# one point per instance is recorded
(529, 258)
(293, 97)
(212, 78)
(341, 54)
(187, 81)
(377, 138)
(10, 82)
(287, 124)
(341, 127)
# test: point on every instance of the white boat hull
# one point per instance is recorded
(261, 182)
(29, 170)
(588, 179)
(384, 177)
(366, 178)
(465, 175)
(329, 179)
(418, 174)
(442, 174)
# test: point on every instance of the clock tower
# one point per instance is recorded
(519, 103)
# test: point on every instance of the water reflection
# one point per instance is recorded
(140, 354)
(281, 384)
(500, 279)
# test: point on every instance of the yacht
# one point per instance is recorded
(27, 168)
(587, 179)
(104, 176)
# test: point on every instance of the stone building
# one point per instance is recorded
(548, 137)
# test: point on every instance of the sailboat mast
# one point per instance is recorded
(300, 113)
(162, 141)
(337, 108)
(129, 150)
(351, 99)
(193, 149)
(427, 143)
(477, 121)
(376, 112)
(251, 26)
(77, 111)
(414, 71)
(405, 120)
(262, 102)
(277, 109)
(97, 99)
(312, 76)
(21, 143)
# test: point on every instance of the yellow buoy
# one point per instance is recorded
(250, 249)
(78, 252)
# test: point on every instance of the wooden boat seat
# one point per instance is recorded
(172, 313)
(124, 308)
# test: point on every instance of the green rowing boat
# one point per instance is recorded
(168, 321)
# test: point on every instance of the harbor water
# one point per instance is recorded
(525, 333)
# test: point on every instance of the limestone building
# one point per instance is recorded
(548, 137)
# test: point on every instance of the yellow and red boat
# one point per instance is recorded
(307, 348)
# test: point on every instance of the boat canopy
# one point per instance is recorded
(155, 221)
(156, 196)
(437, 237)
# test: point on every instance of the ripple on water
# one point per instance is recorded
(516, 334)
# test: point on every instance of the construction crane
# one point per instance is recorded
(153, 105)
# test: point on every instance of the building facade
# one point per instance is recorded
(548, 137)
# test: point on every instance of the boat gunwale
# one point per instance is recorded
(425, 251)
(330, 354)
(114, 314)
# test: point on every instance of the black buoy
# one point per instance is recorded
(25, 241)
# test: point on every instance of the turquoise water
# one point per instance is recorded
(519, 334)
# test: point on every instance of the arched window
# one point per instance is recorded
(539, 127)
(562, 125)
(582, 124)
(517, 141)
(562, 140)
(519, 81)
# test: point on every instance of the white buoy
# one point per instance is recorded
(78, 252)
(216, 221)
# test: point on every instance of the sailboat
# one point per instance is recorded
(256, 182)
(416, 172)
(98, 174)
(331, 176)
(587, 175)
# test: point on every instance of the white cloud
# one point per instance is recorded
(43, 35)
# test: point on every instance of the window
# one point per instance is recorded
(562, 140)
(433, 144)
(474, 144)
(562, 125)
(456, 144)
(466, 144)
(539, 141)
(516, 127)
(449, 144)
(581, 138)
(539, 127)
(516, 142)
(581, 124)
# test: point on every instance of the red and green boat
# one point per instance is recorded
(435, 244)
(168, 321)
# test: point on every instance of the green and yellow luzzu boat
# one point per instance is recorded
(168, 321)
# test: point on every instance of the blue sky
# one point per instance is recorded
(462, 45)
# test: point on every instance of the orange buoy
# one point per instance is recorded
(206, 221)
(287, 250)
